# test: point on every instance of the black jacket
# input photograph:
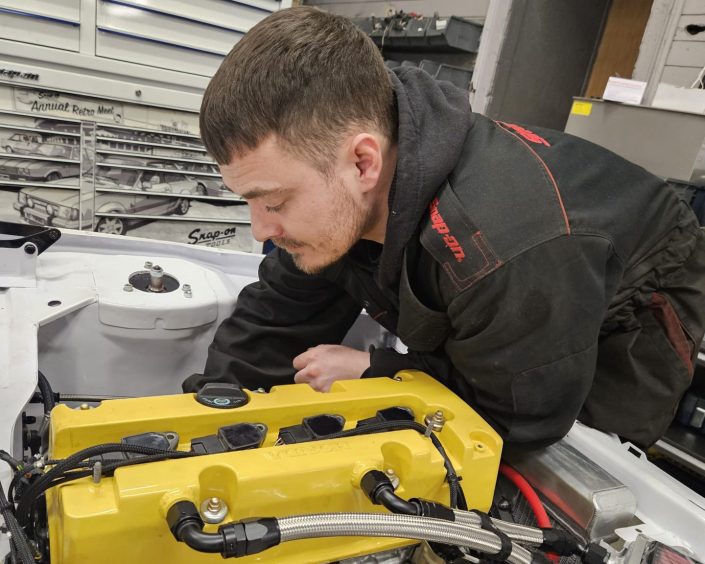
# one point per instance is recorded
(539, 276)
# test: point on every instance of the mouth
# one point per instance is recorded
(289, 246)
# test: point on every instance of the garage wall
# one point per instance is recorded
(144, 51)
(686, 56)
(545, 54)
(475, 9)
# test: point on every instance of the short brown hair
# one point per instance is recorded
(303, 75)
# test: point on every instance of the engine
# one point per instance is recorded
(237, 455)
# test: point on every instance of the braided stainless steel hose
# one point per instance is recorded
(518, 533)
(399, 526)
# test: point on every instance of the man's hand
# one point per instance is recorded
(320, 366)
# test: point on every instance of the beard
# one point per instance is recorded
(343, 225)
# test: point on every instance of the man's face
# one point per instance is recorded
(315, 218)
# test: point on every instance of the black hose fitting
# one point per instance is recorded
(249, 537)
(372, 482)
(181, 514)
(394, 503)
(595, 554)
(428, 508)
(380, 490)
(191, 534)
(559, 542)
(232, 539)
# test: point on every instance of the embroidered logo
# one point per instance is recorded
(526, 134)
(439, 225)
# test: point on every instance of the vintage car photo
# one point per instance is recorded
(21, 143)
(205, 185)
(33, 170)
(28, 142)
(151, 181)
(60, 208)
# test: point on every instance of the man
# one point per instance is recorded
(540, 277)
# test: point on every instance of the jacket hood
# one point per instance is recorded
(434, 120)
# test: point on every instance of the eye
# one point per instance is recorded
(274, 209)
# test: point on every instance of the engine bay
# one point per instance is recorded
(103, 459)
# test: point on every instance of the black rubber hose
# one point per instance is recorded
(19, 540)
(17, 465)
(14, 484)
(193, 536)
(89, 399)
(47, 392)
(36, 488)
(457, 496)
(63, 398)
(394, 503)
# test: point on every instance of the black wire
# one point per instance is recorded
(17, 465)
(19, 541)
(11, 490)
(47, 392)
(14, 492)
(39, 486)
(17, 468)
(107, 468)
(383, 426)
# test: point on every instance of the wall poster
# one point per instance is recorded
(81, 163)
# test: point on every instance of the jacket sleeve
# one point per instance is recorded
(523, 344)
(275, 319)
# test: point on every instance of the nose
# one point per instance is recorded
(264, 225)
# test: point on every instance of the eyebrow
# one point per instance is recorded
(259, 192)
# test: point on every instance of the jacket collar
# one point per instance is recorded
(434, 120)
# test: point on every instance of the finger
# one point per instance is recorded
(302, 360)
(302, 377)
(322, 385)
(319, 384)
(307, 374)
(313, 379)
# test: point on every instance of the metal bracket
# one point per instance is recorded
(20, 245)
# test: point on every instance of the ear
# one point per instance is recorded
(366, 153)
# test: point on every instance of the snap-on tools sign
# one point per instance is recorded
(56, 104)
(13, 73)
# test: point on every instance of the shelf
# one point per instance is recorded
(225, 199)
(148, 144)
(153, 156)
(23, 184)
(145, 130)
(157, 169)
(173, 218)
(22, 157)
(100, 124)
(35, 130)
(38, 116)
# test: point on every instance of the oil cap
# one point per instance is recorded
(222, 395)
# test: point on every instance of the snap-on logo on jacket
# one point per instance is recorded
(526, 134)
(439, 225)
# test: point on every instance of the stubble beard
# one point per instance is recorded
(344, 227)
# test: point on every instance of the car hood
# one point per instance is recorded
(53, 195)
(23, 163)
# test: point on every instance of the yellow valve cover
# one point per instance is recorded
(121, 519)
